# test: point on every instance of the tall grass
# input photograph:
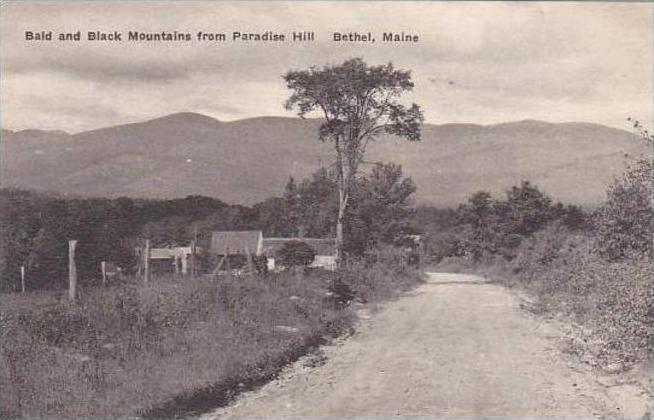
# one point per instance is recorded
(162, 348)
(126, 349)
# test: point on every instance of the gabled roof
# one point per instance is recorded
(236, 242)
(322, 246)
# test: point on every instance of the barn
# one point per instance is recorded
(237, 242)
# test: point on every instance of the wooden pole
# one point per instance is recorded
(193, 270)
(176, 263)
(184, 259)
(103, 268)
(72, 271)
(249, 259)
(22, 278)
(146, 262)
(227, 265)
(194, 243)
(421, 254)
(220, 264)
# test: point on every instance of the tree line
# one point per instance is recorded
(487, 226)
(620, 228)
(35, 227)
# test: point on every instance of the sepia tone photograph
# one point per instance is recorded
(326, 209)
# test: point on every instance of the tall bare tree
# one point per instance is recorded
(359, 103)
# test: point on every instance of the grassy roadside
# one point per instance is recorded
(162, 349)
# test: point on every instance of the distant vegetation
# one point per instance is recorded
(486, 227)
(35, 227)
(593, 266)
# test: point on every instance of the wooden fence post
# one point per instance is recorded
(103, 268)
(184, 261)
(72, 271)
(22, 278)
(146, 262)
(193, 270)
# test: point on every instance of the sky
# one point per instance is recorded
(482, 63)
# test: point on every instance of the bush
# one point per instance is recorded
(296, 253)
(624, 223)
(485, 228)
(614, 299)
(381, 280)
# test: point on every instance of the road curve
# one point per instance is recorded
(455, 347)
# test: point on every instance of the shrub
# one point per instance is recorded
(380, 280)
(296, 253)
(485, 227)
(624, 223)
(612, 298)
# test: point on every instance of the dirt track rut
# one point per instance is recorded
(456, 346)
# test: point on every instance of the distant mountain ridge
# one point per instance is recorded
(249, 160)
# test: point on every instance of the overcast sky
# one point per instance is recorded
(475, 62)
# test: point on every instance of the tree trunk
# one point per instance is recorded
(72, 271)
(342, 204)
(343, 194)
(339, 238)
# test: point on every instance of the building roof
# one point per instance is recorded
(236, 242)
(321, 246)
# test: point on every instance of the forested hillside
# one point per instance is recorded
(247, 161)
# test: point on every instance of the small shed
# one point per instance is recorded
(325, 251)
(178, 256)
(237, 242)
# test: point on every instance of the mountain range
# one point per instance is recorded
(248, 160)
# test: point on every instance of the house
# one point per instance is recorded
(237, 243)
(325, 251)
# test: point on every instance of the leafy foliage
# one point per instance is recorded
(381, 211)
(487, 227)
(359, 102)
(624, 223)
(612, 298)
(296, 253)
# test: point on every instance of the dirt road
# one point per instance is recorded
(454, 347)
